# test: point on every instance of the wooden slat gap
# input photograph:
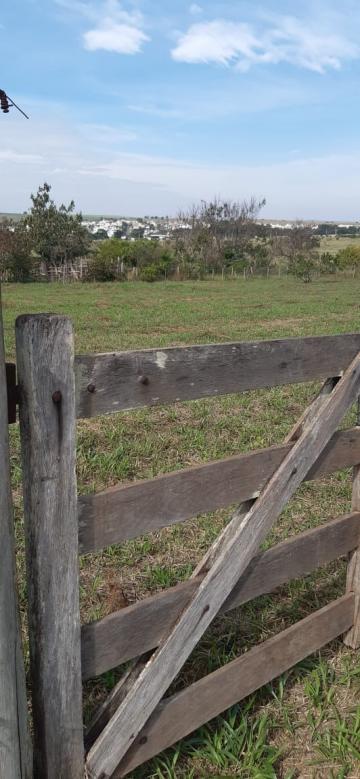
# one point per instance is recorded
(124, 512)
(179, 715)
(131, 631)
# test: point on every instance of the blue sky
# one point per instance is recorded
(144, 107)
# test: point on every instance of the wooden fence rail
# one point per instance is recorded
(121, 513)
(134, 630)
(137, 721)
(106, 383)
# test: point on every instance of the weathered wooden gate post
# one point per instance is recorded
(15, 751)
(352, 638)
(45, 359)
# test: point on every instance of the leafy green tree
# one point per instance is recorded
(301, 248)
(112, 258)
(16, 256)
(328, 263)
(106, 263)
(100, 235)
(57, 233)
(349, 258)
(302, 267)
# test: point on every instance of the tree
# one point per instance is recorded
(57, 233)
(328, 263)
(349, 258)
(300, 246)
(218, 230)
(16, 257)
(100, 235)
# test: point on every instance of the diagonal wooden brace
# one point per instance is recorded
(104, 713)
(227, 560)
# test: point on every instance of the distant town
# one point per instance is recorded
(155, 228)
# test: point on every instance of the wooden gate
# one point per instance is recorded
(15, 751)
(137, 721)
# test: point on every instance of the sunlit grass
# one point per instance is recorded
(305, 724)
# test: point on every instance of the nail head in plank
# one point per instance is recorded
(45, 360)
(124, 512)
(187, 373)
(235, 551)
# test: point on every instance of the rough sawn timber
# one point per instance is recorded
(106, 711)
(121, 513)
(15, 747)
(177, 716)
(119, 381)
(128, 633)
(45, 360)
(235, 548)
(352, 638)
(133, 631)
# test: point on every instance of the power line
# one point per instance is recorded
(6, 103)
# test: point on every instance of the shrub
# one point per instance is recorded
(102, 268)
(328, 263)
(302, 267)
(153, 272)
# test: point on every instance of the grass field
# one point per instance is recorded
(307, 723)
(334, 244)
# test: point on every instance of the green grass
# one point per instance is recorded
(305, 724)
(334, 243)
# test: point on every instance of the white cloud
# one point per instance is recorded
(119, 38)
(101, 134)
(9, 155)
(114, 29)
(286, 39)
(195, 9)
(106, 178)
(217, 41)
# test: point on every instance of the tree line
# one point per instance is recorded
(216, 238)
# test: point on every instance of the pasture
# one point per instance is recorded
(307, 723)
(334, 244)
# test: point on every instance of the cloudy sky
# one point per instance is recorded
(145, 106)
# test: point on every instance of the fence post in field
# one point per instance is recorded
(45, 358)
(352, 638)
(15, 751)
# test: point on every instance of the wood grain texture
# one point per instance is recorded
(352, 638)
(236, 547)
(44, 346)
(311, 410)
(15, 747)
(120, 513)
(128, 380)
(130, 632)
(179, 715)
(108, 709)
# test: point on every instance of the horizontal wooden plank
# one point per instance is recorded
(221, 566)
(177, 716)
(128, 380)
(136, 629)
(125, 512)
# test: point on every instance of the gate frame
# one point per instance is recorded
(45, 357)
(15, 744)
